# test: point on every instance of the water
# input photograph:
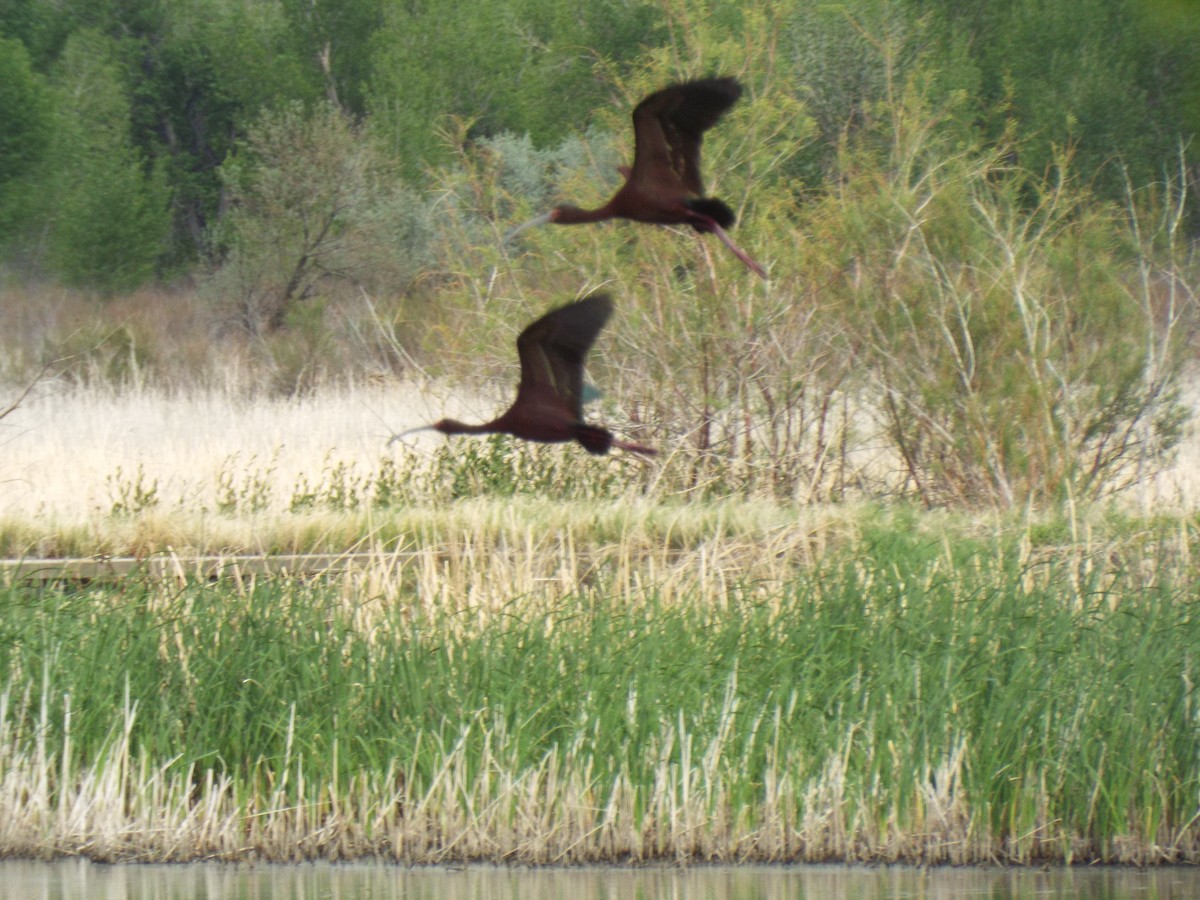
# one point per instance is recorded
(77, 880)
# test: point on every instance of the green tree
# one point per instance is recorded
(26, 113)
(200, 85)
(525, 66)
(334, 36)
(314, 204)
(42, 27)
(851, 62)
(107, 209)
(1112, 82)
(194, 77)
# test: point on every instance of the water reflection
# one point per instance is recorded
(76, 880)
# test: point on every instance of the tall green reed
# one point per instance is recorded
(912, 699)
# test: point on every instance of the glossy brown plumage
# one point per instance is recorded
(664, 185)
(549, 404)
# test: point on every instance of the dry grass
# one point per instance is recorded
(74, 456)
(489, 808)
(99, 470)
(128, 809)
(135, 470)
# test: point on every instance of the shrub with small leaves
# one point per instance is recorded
(133, 494)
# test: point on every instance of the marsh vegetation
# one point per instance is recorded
(912, 579)
(616, 683)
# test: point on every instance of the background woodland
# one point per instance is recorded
(979, 223)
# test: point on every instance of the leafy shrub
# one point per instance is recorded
(1012, 353)
(314, 206)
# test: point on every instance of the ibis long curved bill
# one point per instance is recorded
(532, 223)
(399, 436)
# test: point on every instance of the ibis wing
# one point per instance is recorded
(669, 126)
(653, 153)
(553, 348)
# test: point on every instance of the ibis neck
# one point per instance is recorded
(573, 215)
(453, 426)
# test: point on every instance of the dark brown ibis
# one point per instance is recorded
(664, 187)
(549, 404)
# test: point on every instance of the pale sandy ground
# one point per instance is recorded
(65, 452)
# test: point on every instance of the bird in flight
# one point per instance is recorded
(663, 186)
(549, 404)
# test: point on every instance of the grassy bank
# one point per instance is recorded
(908, 693)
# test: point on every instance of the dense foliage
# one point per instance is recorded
(150, 101)
(979, 224)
